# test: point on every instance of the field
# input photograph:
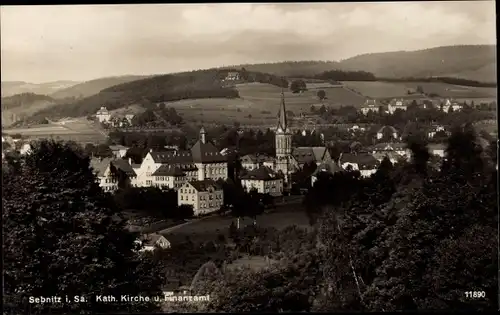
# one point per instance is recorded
(399, 89)
(259, 104)
(211, 227)
(75, 130)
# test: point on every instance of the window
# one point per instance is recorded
(182, 198)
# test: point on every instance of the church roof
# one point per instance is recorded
(282, 121)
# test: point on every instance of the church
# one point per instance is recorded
(290, 159)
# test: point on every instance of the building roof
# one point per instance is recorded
(171, 157)
(391, 128)
(369, 103)
(282, 121)
(327, 167)
(261, 173)
(124, 166)
(398, 102)
(152, 239)
(364, 161)
(254, 158)
(388, 146)
(102, 110)
(381, 155)
(309, 154)
(206, 153)
(168, 170)
(203, 185)
(99, 166)
(118, 147)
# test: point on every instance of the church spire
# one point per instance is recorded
(282, 122)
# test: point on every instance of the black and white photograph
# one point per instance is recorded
(249, 157)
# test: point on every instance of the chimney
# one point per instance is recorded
(130, 161)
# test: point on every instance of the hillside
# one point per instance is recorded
(473, 62)
(19, 106)
(92, 87)
(10, 88)
(163, 88)
(468, 62)
(23, 100)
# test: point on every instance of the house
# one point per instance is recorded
(253, 161)
(173, 177)
(455, 106)
(318, 155)
(103, 115)
(119, 151)
(25, 149)
(356, 128)
(387, 130)
(370, 106)
(437, 129)
(264, 179)
(129, 117)
(396, 147)
(396, 104)
(365, 163)
(232, 76)
(102, 168)
(152, 241)
(330, 167)
(203, 161)
(205, 196)
(437, 149)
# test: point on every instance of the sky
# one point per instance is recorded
(42, 43)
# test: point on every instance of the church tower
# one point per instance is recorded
(283, 142)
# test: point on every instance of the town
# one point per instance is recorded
(273, 187)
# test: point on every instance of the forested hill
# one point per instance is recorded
(473, 62)
(92, 87)
(162, 88)
(476, 63)
(24, 99)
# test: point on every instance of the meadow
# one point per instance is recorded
(379, 89)
(209, 228)
(259, 104)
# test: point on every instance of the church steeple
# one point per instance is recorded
(282, 122)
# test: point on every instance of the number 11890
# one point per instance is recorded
(475, 294)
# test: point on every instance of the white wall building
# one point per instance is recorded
(205, 196)
(264, 179)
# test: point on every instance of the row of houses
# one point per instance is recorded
(372, 105)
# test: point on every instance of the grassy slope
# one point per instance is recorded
(92, 87)
(21, 105)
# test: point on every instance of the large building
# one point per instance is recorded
(264, 179)
(171, 169)
(205, 196)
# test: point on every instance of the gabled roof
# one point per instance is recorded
(168, 170)
(309, 154)
(261, 173)
(369, 103)
(203, 185)
(172, 157)
(363, 160)
(99, 166)
(329, 167)
(124, 166)
(206, 153)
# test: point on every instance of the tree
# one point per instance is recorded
(298, 86)
(185, 211)
(321, 94)
(69, 237)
